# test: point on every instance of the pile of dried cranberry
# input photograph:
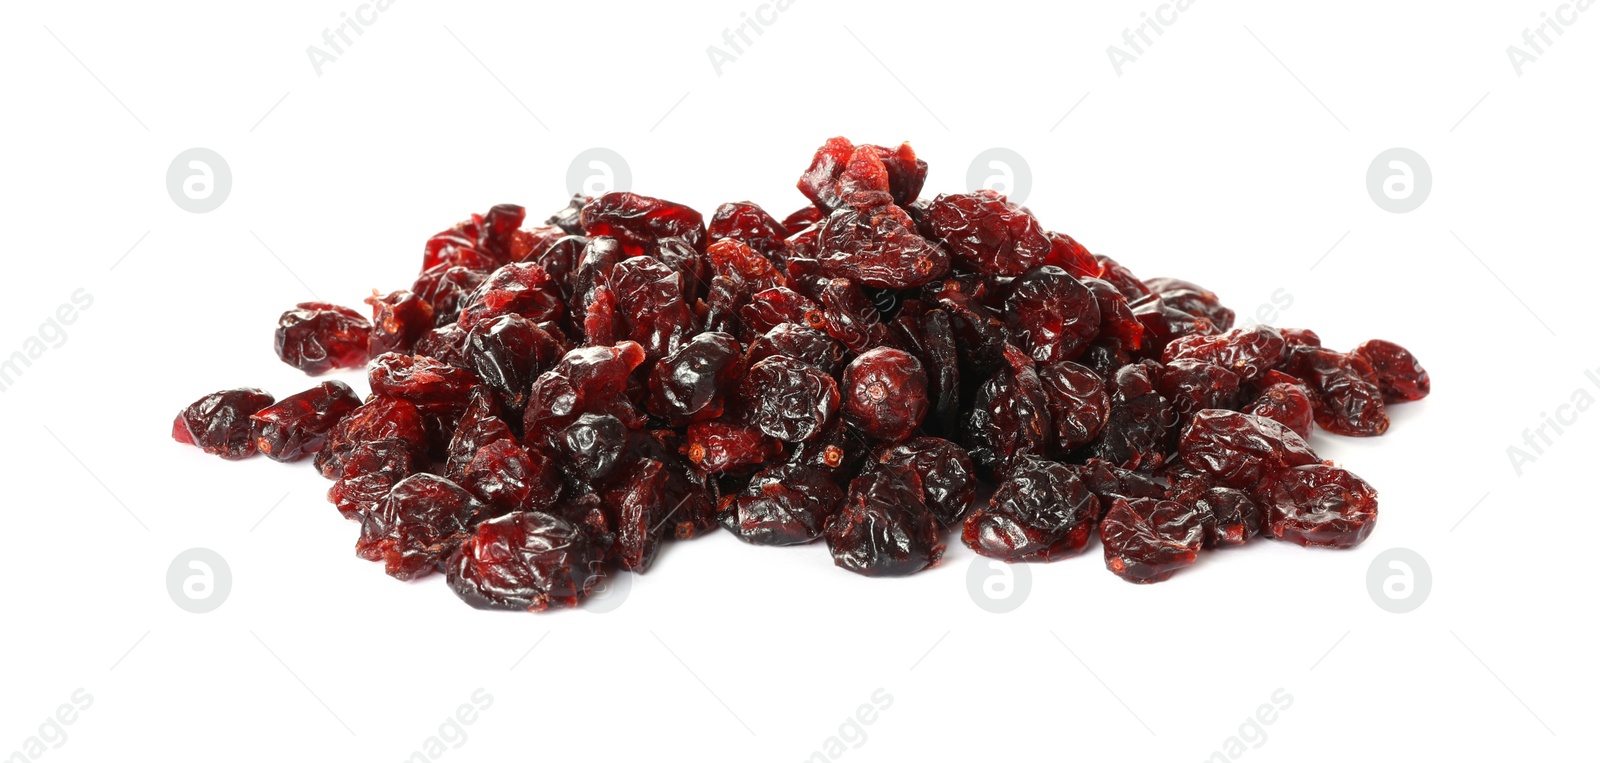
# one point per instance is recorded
(552, 403)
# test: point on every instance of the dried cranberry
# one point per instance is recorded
(830, 179)
(1400, 376)
(1228, 517)
(1192, 299)
(879, 246)
(949, 482)
(986, 233)
(1344, 401)
(788, 399)
(381, 418)
(417, 525)
(525, 560)
(593, 446)
(1240, 450)
(1041, 512)
(636, 507)
(751, 225)
(1077, 402)
(508, 354)
(802, 343)
(1193, 386)
(317, 337)
(1147, 540)
(1321, 505)
(722, 446)
(398, 321)
(445, 288)
(1286, 403)
(220, 423)
(585, 380)
(1140, 427)
(1051, 315)
(638, 221)
(520, 288)
(1248, 352)
(693, 382)
(432, 386)
(1010, 417)
(297, 426)
(783, 505)
(885, 393)
(884, 527)
(508, 477)
(366, 473)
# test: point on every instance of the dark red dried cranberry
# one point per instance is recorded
(885, 393)
(638, 221)
(417, 525)
(1069, 255)
(803, 343)
(693, 382)
(636, 506)
(949, 482)
(849, 316)
(525, 560)
(1010, 417)
(1344, 401)
(1286, 403)
(432, 386)
(586, 380)
(508, 354)
(783, 505)
(986, 233)
(748, 223)
(1240, 450)
(508, 477)
(1321, 505)
(1041, 512)
(445, 288)
(1194, 386)
(297, 426)
(1248, 352)
(317, 337)
(1228, 516)
(779, 305)
(788, 399)
(1051, 315)
(398, 321)
(841, 169)
(1077, 401)
(884, 527)
(650, 305)
(1140, 428)
(593, 446)
(722, 446)
(1192, 299)
(879, 246)
(1147, 540)
(368, 471)
(381, 418)
(220, 423)
(520, 288)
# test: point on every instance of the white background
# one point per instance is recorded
(1232, 152)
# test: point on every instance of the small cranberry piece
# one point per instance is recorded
(1286, 403)
(398, 321)
(317, 337)
(1400, 376)
(297, 426)
(417, 525)
(693, 382)
(748, 223)
(1248, 352)
(432, 386)
(638, 221)
(220, 424)
(724, 446)
(522, 288)
(1240, 450)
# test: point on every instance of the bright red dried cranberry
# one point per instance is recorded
(381, 418)
(751, 225)
(368, 471)
(1069, 255)
(1400, 376)
(432, 386)
(638, 221)
(220, 424)
(297, 426)
(398, 321)
(317, 337)
(830, 179)
(525, 560)
(986, 233)
(508, 477)
(522, 288)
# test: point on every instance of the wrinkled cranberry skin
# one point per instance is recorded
(367, 473)
(724, 446)
(507, 477)
(398, 321)
(885, 393)
(1192, 299)
(802, 218)
(569, 217)
(220, 423)
(1010, 417)
(949, 480)
(508, 354)
(585, 380)
(1400, 376)
(784, 505)
(297, 426)
(1040, 513)
(521, 288)
(1344, 401)
(774, 307)
(884, 528)
(432, 386)
(1077, 402)
(1109, 482)
(788, 399)
(1140, 426)
(479, 425)
(381, 418)
(1069, 255)
(446, 344)
(1228, 517)
(1148, 540)
(1286, 403)
(749, 269)
(1163, 324)
(693, 382)
(1240, 450)
(650, 305)
(879, 246)
(748, 223)
(593, 446)
(417, 525)
(638, 221)
(1247, 352)
(986, 233)
(1051, 315)
(1118, 325)
(849, 316)
(831, 179)
(636, 507)
(525, 560)
(317, 337)
(1193, 386)
(802, 343)
(1321, 506)
(445, 288)
(1122, 278)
